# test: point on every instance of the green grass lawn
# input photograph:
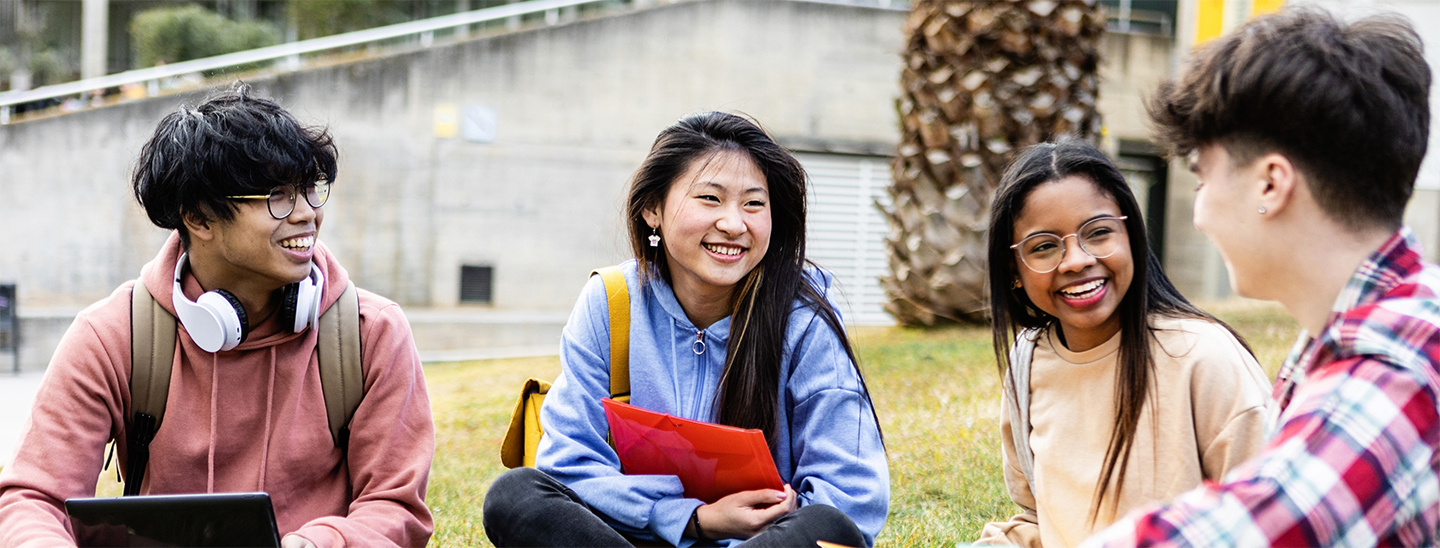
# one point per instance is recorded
(936, 390)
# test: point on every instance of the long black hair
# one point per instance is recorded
(748, 395)
(1150, 294)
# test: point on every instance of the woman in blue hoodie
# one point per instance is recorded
(729, 324)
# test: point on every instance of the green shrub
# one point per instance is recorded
(172, 35)
(316, 18)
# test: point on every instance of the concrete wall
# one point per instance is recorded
(578, 106)
(1131, 65)
(40, 333)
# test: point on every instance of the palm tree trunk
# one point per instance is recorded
(981, 81)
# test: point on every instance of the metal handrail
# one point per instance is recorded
(887, 5)
(270, 53)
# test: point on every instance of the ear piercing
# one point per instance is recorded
(1262, 210)
(1016, 285)
(654, 236)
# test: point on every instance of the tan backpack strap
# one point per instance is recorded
(152, 355)
(1017, 386)
(617, 293)
(342, 376)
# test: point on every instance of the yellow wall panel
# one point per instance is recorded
(1262, 7)
(1209, 20)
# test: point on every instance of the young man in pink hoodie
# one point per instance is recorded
(242, 184)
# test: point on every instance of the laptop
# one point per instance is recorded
(218, 519)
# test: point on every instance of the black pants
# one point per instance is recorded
(526, 507)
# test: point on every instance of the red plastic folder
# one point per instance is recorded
(711, 460)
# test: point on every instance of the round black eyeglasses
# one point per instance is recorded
(281, 199)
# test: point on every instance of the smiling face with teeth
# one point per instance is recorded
(1084, 293)
(253, 254)
(715, 228)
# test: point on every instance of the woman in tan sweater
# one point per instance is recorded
(1119, 392)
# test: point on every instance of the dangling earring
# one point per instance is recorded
(654, 236)
(1016, 285)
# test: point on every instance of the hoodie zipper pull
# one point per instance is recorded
(698, 347)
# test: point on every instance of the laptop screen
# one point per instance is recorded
(219, 519)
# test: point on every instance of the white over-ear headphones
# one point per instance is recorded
(217, 322)
(300, 302)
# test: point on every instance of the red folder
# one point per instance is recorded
(711, 460)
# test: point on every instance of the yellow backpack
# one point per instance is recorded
(523, 436)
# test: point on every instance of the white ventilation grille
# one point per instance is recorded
(845, 234)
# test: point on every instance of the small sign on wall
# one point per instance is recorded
(447, 121)
(478, 123)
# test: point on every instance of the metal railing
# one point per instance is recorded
(895, 5)
(291, 51)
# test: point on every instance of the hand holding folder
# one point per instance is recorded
(711, 460)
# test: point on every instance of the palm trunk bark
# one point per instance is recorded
(981, 81)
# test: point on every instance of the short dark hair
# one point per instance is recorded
(231, 144)
(1348, 104)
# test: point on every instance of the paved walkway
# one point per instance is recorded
(17, 393)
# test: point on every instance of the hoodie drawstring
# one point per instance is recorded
(214, 408)
(269, 408)
(214, 398)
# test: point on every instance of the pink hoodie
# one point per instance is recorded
(250, 419)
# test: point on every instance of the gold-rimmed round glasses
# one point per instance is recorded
(1100, 237)
(281, 199)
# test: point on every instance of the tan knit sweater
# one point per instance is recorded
(1206, 416)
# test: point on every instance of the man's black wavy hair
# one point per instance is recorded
(231, 144)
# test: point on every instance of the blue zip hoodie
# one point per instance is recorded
(827, 443)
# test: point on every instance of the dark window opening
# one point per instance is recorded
(477, 284)
(10, 326)
(1147, 172)
(1142, 16)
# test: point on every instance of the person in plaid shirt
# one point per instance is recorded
(1306, 134)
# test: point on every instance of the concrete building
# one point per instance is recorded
(481, 181)
(499, 162)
